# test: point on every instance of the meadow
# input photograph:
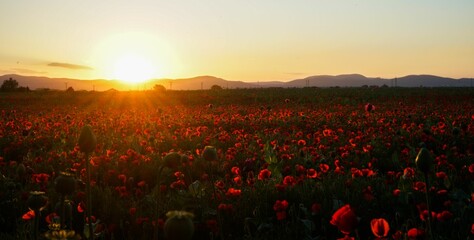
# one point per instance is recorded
(308, 163)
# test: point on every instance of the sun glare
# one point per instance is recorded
(134, 57)
(133, 69)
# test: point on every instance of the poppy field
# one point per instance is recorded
(309, 163)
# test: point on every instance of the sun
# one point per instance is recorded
(133, 69)
(134, 57)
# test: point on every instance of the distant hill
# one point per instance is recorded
(206, 82)
(357, 80)
(201, 82)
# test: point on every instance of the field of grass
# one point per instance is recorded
(310, 163)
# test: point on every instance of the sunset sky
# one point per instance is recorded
(248, 40)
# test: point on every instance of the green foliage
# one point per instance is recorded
(9, 85)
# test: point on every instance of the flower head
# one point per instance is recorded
(380, 227)
(344, 219)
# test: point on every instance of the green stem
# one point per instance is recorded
(63, 215)
(428, 206)
(89, 198)
(36, 224)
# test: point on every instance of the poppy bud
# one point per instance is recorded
(21, 170)
(65, 183)
(209, 153)
(172, 160)
(37, 200)
(424, 160)
(179, 225)
(87, 140)
(456, 131)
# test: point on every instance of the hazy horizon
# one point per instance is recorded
(241, 41)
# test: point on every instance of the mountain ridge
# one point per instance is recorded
(206, 81)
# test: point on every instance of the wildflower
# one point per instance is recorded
(232, 192)
(408, 172)
(238, 180)
(250, 178)
(264, 174)
(280, 207)
(289, 181)
(324, 167)
(415, 233)
(380, 227)
(225, 207)
(396, 192)
(41, 178)
(141, 183)
(344, 219)
(132, 211)
(419, 186)
(444, 216)
(311, 173)
(28, 215)
(441, 175)
(369, 107)
(315, 208)
(235, 170)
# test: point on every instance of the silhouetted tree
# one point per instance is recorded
(216, 87)
(159, 88)
(9, 85)
(23, 89)
(70, 89)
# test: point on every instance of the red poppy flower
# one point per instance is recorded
(141, 183)
(441, 175)
(264, 174)
(81, 207)
(232, 192)
(28, 216)
(280, 207)
(444, 216)
(380, 227)
(50, 217)
(132, 211)
(225, 207)
(324, 167)
(289, 181)
(344, 219)
(237, 180)
(369, 107)
(315, 208)
(235, 170)
(396, 192)
(415, 233)
(311, 173)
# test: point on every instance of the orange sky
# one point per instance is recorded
(236, 40)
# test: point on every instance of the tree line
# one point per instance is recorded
(11, 85)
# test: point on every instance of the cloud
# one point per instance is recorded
(295, 73)
(69, 66)
(28, 71)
